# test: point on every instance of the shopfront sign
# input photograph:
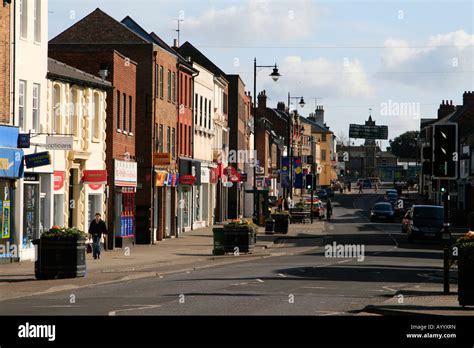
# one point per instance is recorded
(162, 159)
(161, 178)
(24, 141)
(94, 177)
(11, 163)
(243, 177)
(31, 177)
(58, 178)
(125, 173)
(187, 180)
(59, 143)
(38, 159)
(95, 187)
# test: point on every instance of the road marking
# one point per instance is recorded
(388, 289)
(329, 313)
(113, 313)
(312, 287)
(260, 281)
(282, 275)
(344, 261)
(58, 306)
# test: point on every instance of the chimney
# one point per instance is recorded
(175, 44)
(262, 100)
(319, 115)
(468, 98)
(445, 109)
(281, 106)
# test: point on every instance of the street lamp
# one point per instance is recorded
(289, 142)
(275, 75)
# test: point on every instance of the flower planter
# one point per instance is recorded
(60, 258)
(240, 238)
(466, 283)
(281, 223)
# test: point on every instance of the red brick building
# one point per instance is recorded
(156, 110)
(121, 133)
(5, 64)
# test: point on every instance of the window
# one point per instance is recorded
(205, 112)
(55, 119)
(21, 104)
(180, 137)
(323, 155)
(37, 20)
(186, 91)
(23, 18)
(35, 109)
(190, 150)
(169, 85)
(130, 114)
(73, 114)
(168, 139)
(160, 137)
(118, 110)
(124, 112)
(200, 111)
(210, 117)
(161, 82)
(174, 87)
(96, 117)
(323, 137)
(224, 104)
(157, 80)
(173, 143)
(195, 109)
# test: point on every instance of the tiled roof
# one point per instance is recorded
(57, 69)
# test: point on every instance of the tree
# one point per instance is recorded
(342, 139)
(404, 146)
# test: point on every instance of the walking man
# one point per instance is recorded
(96, 228)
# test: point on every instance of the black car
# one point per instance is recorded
(321, 193)
(425, 221)
(392, 198)
(382, 210)
(329, 191)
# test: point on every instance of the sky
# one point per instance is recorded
(395, 60)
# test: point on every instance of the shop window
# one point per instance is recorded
(58, 218)
(94, 206)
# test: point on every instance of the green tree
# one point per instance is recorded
(404, 146)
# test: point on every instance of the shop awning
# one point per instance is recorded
(94, 177)
(11, 163)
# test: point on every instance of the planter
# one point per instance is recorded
(269, 226)
(60, 258)
(281, 223)
(465, 280)
(241, 238)
(219, 241)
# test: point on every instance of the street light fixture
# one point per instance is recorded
(275, 75)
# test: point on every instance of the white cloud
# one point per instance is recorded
(444, 60)
(254, 21)
(324, 77)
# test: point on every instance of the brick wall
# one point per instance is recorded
(5, 64)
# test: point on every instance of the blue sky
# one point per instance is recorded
(400, 56)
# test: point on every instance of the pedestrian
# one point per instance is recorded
(329, 208)
(96, 229)
(280, 203)
(360, 187)
(376, 187)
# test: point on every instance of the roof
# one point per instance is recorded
(188, 50)
(320, 129)
(59, 70)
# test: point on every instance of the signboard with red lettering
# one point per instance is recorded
(187, 179)
(58, 180)
(94, 177)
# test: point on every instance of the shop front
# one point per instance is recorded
(11, 169)
(123, 217)
(94, 182)
(189, 177)
(166, 183)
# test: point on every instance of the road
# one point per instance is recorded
(298, 284)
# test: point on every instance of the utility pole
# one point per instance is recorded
(179, 20)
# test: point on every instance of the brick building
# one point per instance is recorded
(156, 113)
(5, 78)
(121, 133)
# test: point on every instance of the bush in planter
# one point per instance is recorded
(61, 253)
(463, 255)
(241, 234)
(281, 221)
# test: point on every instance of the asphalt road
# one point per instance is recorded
(303, 284)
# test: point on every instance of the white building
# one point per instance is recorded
(204, 194)
(33, 196)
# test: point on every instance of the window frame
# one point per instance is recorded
(169, 85)
(161, 82)
(35, 119)
(37, 21)
(118, 114)
(22, 103)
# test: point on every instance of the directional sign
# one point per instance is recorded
(359, 131)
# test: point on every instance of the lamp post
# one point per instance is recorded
(275, 75)
(289, 140)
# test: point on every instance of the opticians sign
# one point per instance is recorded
(59, 143)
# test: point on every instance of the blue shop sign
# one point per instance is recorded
(9, 136)
(11, 163)
(38, 159)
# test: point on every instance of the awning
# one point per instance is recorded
(11, 163)
(94, 177)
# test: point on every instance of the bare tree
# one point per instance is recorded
(342, 139)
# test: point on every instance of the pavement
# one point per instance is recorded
(191, 251)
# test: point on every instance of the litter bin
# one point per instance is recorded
(219, 241)
(269, 226)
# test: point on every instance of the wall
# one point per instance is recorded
(5, 55)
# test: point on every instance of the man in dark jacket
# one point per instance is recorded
(96, 228)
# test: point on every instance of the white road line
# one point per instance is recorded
(282, 275)
(113, 313)
(388, 289)
(260, 281)
(344, 261)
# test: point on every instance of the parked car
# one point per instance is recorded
(329, 191)
(322, 194)
(392, 198)
(367, 183)
(425, 221)
(382, 210)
